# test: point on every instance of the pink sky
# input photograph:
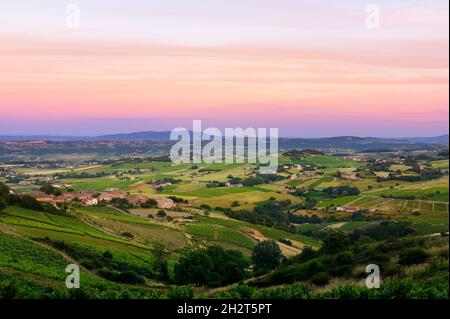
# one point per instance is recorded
(308, 69)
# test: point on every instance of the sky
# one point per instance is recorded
(310, 68)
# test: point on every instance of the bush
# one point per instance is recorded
(126, 277)
(108, 254)
(8, 289)
(150, 203)
(285, 241)
(4, 190)
(235, 204)
(181, 293)
(161, 214)
(307, 254)
(413, 256)
(128, 234)
(335, 241)
(3, 203)
(211, 267)
(321, 279)
(266, 255)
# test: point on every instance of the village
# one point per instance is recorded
(110, 195)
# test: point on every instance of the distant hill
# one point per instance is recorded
(442, 139)
(360, 143)
(56, 138)
(138, 136)
(340, 142)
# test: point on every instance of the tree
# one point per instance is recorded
(335, 241)
(160, 264)
(211, 267)
(150, 203)
(3, 203)
(161, 214)
(50, 190)
(4, 190)
(413, 256)
(266, 255)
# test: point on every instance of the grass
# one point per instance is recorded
(220, 191)
(19, 254)
(443, 164)
(271, 233)
(64, 224)
(351, 226)
(432, 194)
(98, 184)
(309, 227)
(317, 183)
(218, 233)
(429, 223)
(327, 161)
(246, 200)
(341, 201)
(295, 183)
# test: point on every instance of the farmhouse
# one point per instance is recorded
(89, 200)
(61, 186)
(109, 196)
(44, 198)
(137, 200)
(228, 184)
(351, 177)
(164, 203)
(347, 209)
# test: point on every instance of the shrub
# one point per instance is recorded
(321, 279)
(108, 254)
(413, 256)
(3, 203)
(128, 234)
(266, 255)
(212, 267)
(4, 190)
(181, 293)
(286, 241)
(150, 203)
(235, 204)
(161, 214)
(335, 241)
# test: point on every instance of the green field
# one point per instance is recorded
(439, 194)
(327, 161)
(341, 201)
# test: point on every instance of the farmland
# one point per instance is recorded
(120, 243)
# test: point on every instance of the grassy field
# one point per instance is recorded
(341, 201)
(439, 194)
(440, 164)
(430, 223)
(246, 200)
(327, 161)
(219, 234)
(128, 236)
